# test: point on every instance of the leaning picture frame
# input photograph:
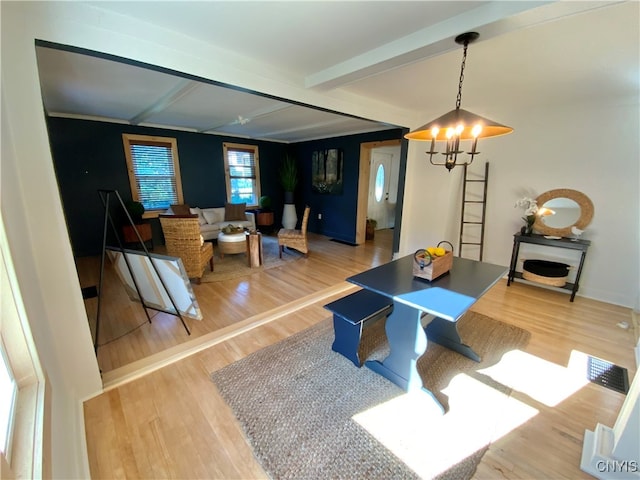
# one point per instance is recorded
(171, 273)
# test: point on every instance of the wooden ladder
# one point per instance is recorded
(469, 199)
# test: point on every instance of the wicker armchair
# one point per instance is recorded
(296, 239)
(182, 238)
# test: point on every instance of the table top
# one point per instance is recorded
(447, 297)
(563, 242)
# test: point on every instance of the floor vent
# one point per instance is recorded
(608, 375)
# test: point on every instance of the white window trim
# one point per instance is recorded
(227, 177)
(130, 138)
(14, 400)
(26, 455)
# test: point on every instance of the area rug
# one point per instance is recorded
(235, 265)
(309, 413)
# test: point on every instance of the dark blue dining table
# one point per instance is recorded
(443, 300)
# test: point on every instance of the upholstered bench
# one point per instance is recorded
(350, 314)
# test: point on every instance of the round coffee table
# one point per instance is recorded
(231, 243)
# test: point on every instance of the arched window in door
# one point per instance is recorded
(379, 188)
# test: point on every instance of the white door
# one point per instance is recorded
(380, 208)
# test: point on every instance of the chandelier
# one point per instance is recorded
(458, 124)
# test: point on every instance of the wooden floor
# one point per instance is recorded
(171, 423)
(126, 335)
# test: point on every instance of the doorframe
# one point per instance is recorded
(363, 189)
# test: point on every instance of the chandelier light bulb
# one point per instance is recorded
(452, 126)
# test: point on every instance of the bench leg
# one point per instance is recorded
(347, 339)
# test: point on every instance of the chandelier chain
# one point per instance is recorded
(464, 60)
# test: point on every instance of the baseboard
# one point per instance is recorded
(142, 367)
(344, 242)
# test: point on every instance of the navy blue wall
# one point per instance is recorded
(338, 211)
(89, 156)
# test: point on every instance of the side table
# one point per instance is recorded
(144, 229)
(254, 249)
(264, 220)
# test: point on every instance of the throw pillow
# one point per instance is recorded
(197, 211)
(181, 209)
(234, 212)
(213, 215)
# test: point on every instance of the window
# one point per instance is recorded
(379, 183)
(154, 171)
(24, 421)
(242, 173)
(8, 391)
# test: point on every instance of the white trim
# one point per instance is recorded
(134, 370)
(25, 458)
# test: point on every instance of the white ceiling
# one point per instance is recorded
(399, 53)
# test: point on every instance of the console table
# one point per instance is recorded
(533, 238)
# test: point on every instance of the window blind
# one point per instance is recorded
(242, 175)
(242, 163)
(155, 175)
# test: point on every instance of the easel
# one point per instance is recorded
(105, 197)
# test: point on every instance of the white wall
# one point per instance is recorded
(31, 206)
(591, 147)
(584, 154)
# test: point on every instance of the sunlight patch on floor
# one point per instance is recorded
(544, 381)
(430, 443)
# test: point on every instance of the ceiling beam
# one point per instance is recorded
(182, 88)
(490, 19)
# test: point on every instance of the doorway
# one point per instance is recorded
(383, 186)
(379, 187)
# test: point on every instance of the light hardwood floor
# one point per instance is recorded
(126, 336)
(171, 422)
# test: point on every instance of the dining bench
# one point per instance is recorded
(350, 314)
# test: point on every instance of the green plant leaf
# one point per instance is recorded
(289, 174)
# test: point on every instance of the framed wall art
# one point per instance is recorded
(326, 171)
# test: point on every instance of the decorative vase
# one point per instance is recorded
(289, 216)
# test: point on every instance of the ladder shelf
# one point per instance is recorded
(467, 200)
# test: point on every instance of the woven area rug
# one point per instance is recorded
(235, 265)
(309, 413)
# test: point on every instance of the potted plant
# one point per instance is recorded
(264, 214)
(289, 180)
(139, 227)
(265, 203)
(136, 210)
(288, 177)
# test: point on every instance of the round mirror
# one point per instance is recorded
(561, 209)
